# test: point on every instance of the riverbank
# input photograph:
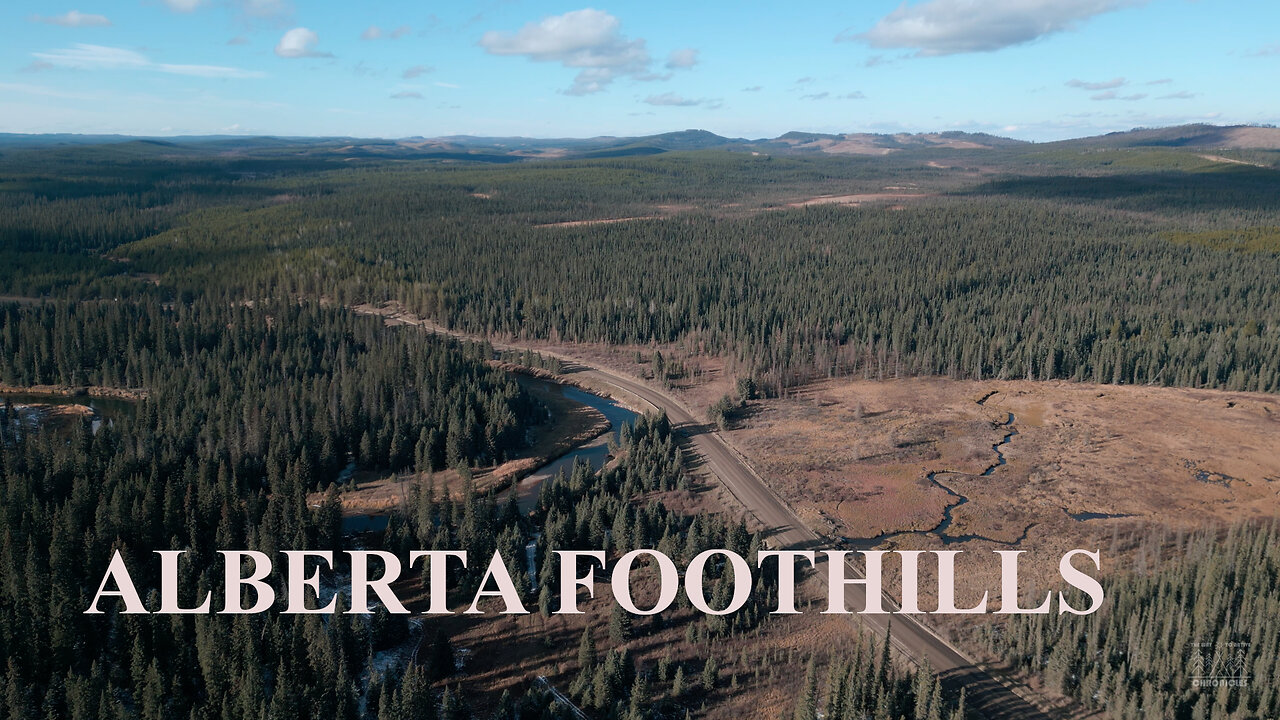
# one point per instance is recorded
(32, 414)
(575, 428)
(70, 391)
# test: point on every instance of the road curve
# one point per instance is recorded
(985, 696)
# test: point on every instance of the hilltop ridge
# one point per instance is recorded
(516, 148)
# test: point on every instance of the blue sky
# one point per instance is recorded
(1033, 69)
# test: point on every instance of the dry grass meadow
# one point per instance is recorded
(1089, 467)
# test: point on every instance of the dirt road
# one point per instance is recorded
(985, 696)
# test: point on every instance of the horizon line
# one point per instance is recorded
(283, 136)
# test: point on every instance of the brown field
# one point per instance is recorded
(858, 199)
(69, 391)
(852, 457)
(604, 221)
(1090, 465)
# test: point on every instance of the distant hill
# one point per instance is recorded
(879, 144)
(1231, 137)
(467, 148)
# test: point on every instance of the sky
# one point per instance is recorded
(1030, 69)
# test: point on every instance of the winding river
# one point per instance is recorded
(940, 530)
(103, 409)
(594, 453)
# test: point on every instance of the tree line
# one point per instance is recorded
(1192, 632)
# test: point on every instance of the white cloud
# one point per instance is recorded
(753, 88)
(855, 95)
(206, 71)
(676, 100)
(1100, 85)
(94, 57)
(1267, 51)
(1113, 95)
(265, 8)
(1180, 95)
(672, 99)
(100, 57)
(588, 40)
(373, 32)
(406, 95)
(682, 59)
(947, 27)
(74, 18)
(449, 86)
(417, 70)
(185, 6)
(1161, 81)
(299, 42)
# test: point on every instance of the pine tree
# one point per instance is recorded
(959, 712)
(586, 649)
(678, 683)
(639, 700)
(619, 625)
(710, 674)
(807, 701)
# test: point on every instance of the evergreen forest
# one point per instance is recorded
(211, 294)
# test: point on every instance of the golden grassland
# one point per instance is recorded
(1089, 466)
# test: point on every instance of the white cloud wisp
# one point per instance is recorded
(588, 40)
(949, 27)
(84, 56)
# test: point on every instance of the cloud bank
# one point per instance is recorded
(1101, 85)
(83, 56)
(299, 42)
(373, 32)
(949, 27)
(682, 59)
(588, 40)
(677, 100)
(1113, 95)
(74, 18)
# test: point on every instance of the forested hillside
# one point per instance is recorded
(1136, 274)
(215, 289)
(1193, 634)
(241, 383)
